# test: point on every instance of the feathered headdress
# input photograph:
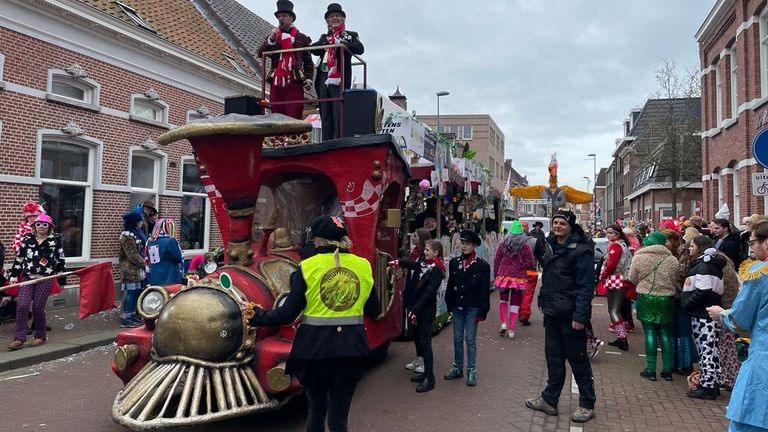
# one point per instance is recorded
(32, 208)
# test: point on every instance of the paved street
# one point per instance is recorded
(76, 393)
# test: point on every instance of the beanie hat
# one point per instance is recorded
(655, 238)
(516, 227)
(328, 227)
(133, 217)
(567, 215)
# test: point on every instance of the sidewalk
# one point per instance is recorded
(68, 336)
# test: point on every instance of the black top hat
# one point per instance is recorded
(285, 6)
(470, 236)
(539, 224)
(335, 7)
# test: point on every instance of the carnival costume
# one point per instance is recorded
(614, 279)
(510, 267)
(30, 208)
(132, 264)
(748, 407)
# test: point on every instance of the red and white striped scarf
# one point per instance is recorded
(282, 73)
(334, 75)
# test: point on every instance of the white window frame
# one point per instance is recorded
(159, 159)
(94, 147)
(736, 198)
(195, 115)
(719, 191)
(734, 82)
(135, 17)
(91, 90)
(157, 103)
(471, 132)
(207, 229)
(764, 53)
(2, 65)
(718, 93)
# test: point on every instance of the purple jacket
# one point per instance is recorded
(515, 265)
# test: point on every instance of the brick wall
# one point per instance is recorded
(23, 115)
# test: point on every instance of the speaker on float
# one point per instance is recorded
(359, 112)
(244, 104)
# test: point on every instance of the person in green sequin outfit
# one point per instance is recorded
(654, 273)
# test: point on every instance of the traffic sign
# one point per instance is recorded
(760, 148)
(760, 184)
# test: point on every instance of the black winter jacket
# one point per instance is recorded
(731, 247)
(568, 279)
(424, 295)
(469, 287)
(698, 295)
(352, 41)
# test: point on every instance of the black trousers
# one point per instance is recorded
(423, 336)
(561, 343)
(330, 385)
(330, 112)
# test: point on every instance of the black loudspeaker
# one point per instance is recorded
(248, 105)
(359, 112)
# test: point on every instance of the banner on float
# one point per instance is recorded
(408, 132)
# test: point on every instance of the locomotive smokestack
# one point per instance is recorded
(228, 148)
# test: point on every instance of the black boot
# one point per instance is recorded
(650, 375)
(666, 375)
(703, 393)
(418, 378)
(621, 344)
(426, 385)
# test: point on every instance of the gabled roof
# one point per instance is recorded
(178, 22)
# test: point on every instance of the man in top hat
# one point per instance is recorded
(328, 79)
(291, 72)
(468, 297)
(332, 291)
(565, 299)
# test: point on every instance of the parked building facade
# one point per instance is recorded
(86, 87)
(733, 52)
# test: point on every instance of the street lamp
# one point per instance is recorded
(594, 174)
(439, 198)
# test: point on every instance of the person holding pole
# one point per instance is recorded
(40, 256)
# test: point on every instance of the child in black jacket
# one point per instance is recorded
(704, 288)
(431, 272)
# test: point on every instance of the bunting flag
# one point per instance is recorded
(97, 289)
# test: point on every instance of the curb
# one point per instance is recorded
(54, 350)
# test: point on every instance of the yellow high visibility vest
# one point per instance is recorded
(336, 295)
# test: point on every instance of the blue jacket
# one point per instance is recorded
(164, 261)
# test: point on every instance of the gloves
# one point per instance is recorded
(478, 319)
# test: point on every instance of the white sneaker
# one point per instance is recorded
(596, 345)
(503, 329)
(511, 334)
(415, 363)
(420, 368)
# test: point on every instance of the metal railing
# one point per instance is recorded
(357, 61)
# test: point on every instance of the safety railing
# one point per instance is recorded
(357, 61)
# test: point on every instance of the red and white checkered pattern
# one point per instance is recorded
(366, 203)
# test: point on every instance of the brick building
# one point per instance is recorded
(87, 86)
(733, 52)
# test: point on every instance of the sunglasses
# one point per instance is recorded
(42, 224)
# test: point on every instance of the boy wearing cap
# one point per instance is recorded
(468, 297)
(565, 299)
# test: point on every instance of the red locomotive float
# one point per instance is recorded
(197, 360)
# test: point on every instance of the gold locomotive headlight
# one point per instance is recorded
(151, 302)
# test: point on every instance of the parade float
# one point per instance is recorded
(554, 195)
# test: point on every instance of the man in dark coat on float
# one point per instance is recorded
(328, 79)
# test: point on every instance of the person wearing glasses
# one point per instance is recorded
(40, 255)
(748, 407)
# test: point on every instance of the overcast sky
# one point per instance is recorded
(556, 75)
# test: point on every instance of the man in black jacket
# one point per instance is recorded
(727, 240)
(328, 78)
(468, 297)
(565, 299)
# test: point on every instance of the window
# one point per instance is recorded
(233, 62)
(718, 93)
(734, 84)
(73, 87)
(65, 171)
(764, 53)
(454, 129)
(467, 135)
(135, 17)
(149, 109)
(194, 209)
(665, 212)
(2, 63)
(736, 192)
(197, 114)
(719, 191)
(144, 178)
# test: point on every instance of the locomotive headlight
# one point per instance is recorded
(151, 302)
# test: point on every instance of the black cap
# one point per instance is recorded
(539, 224)
(328, 227)
(470, 236)
(335, 7)
(285, 6)
(567, 215)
